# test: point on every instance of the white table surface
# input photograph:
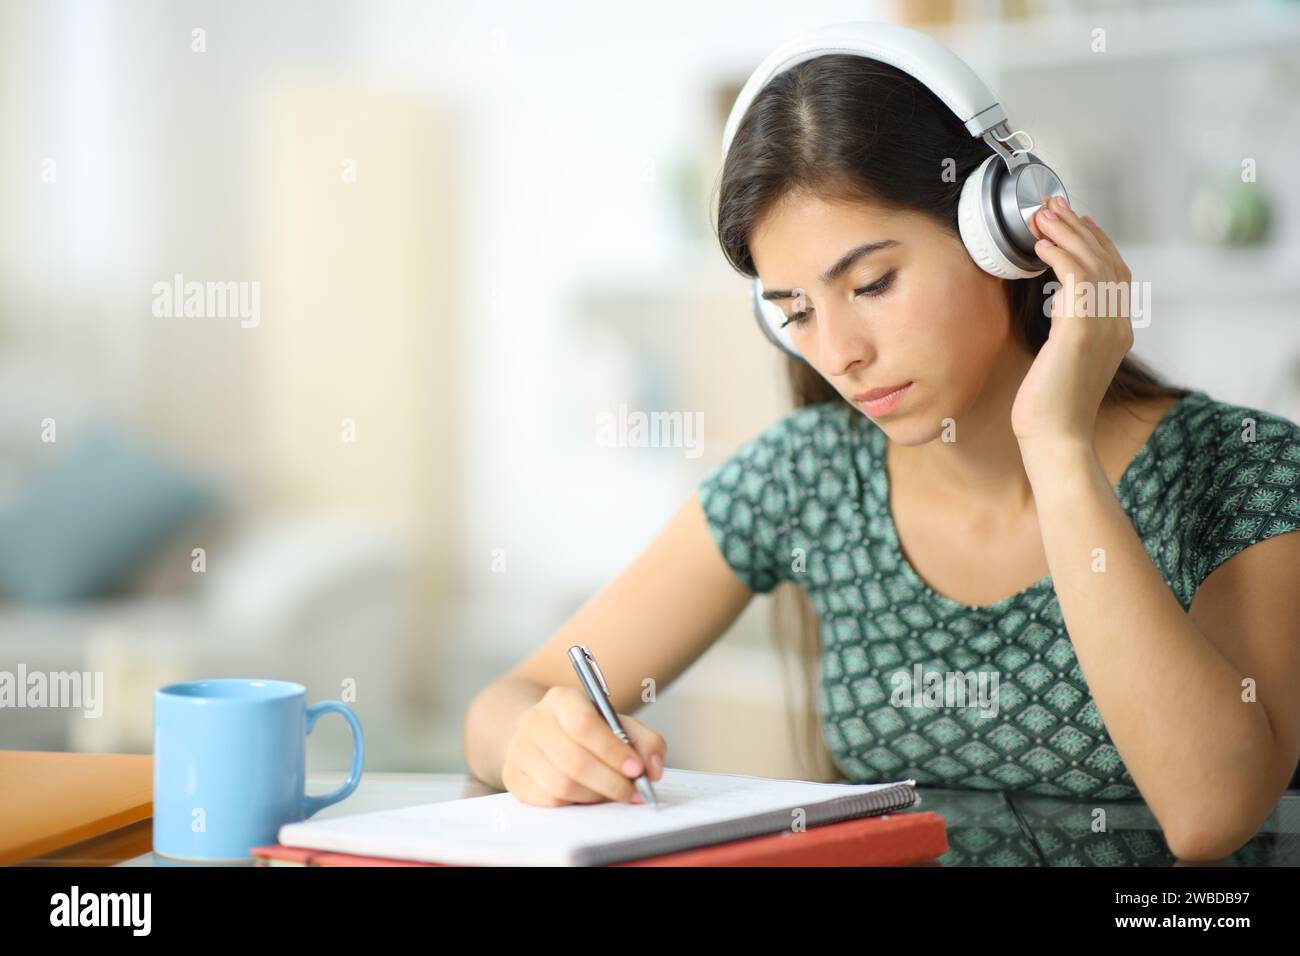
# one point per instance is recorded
(376, 791)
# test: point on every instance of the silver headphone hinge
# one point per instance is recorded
(1012, 157)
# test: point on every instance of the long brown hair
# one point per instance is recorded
(849, 128)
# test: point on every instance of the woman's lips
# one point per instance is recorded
(872, 394)
(881, 401)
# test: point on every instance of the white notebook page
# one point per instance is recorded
(499, 829)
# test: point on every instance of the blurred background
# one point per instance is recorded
(310, 312)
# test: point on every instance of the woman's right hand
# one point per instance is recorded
(563, 752)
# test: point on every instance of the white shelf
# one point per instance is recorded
(1204, 272)
(1173, 32)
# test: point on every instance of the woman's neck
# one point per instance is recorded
(982, 462)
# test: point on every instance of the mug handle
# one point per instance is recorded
(311, 804)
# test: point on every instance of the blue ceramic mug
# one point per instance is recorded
(229, 765)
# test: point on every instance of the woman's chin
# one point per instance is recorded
(903, 433)
(904, 425)
(910, 428)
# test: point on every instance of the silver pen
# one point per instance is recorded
(593, 682)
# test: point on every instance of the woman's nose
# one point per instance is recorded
(841, 338)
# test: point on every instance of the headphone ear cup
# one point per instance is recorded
(770, 319)
(977, 223)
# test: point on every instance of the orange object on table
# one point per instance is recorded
(52, 801)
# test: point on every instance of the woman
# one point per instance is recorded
(977, 484)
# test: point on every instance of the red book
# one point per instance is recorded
(893, 839)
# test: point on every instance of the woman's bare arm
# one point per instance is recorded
(650, 623)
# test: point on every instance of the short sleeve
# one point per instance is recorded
(1255, 493)
(747, 501)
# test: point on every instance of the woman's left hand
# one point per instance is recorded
(1090, 335)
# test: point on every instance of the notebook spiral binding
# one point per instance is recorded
(899, 796)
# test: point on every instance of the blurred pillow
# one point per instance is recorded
(93, 518)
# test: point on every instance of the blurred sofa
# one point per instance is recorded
(311, 597)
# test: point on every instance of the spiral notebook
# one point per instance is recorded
(696, 809)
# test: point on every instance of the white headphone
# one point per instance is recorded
(998, 200)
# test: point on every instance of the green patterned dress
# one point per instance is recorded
(807, 500)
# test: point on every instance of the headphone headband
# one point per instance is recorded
(913, 52)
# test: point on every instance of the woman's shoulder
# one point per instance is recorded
(800, 447)
(1209, 449)
(1238, 470)
(1229, 436)
(750, 497)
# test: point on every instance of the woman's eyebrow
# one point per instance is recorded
(845, 263)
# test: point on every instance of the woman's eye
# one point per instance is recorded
(879, 287)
